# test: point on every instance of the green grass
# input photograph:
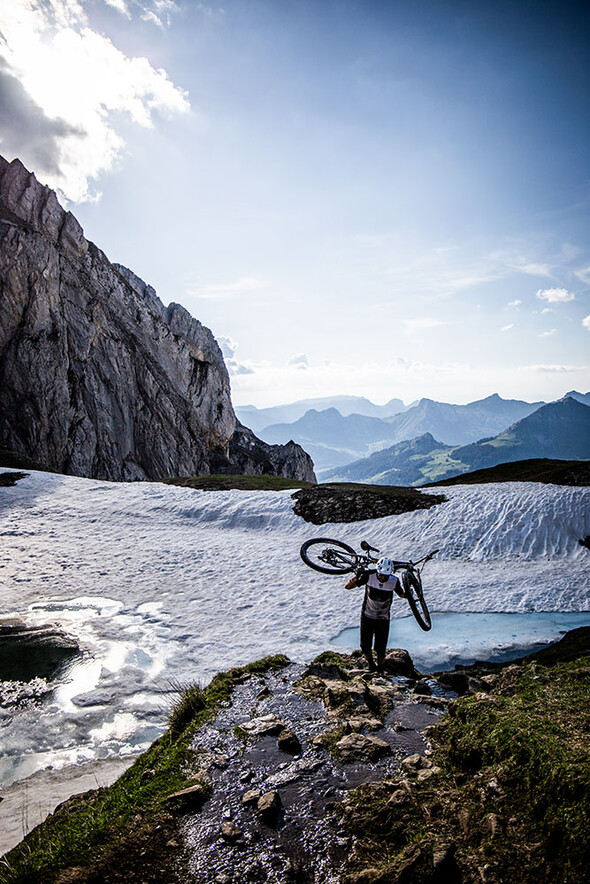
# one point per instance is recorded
(241, 483)
(90, 828)
(522, 754)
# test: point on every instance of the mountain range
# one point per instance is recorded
(559, 430)
(334, 439)
(258, 419)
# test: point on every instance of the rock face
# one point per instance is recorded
(97, 377)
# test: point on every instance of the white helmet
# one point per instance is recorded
(385, 566)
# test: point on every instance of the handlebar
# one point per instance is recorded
(396, 565)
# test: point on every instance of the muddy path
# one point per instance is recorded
(280, 758)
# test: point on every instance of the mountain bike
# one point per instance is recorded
(336, 557)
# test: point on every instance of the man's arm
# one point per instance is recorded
(359, 579)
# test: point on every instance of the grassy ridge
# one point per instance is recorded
(510, 801)
(555, 472)
(239, 482)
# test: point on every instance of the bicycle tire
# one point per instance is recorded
(412, 585)
(324, 568)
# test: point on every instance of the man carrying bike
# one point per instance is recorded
(380, 585)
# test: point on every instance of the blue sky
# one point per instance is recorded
(387, 199)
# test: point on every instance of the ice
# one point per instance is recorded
(165, 585)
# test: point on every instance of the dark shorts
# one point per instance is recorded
(377, 630)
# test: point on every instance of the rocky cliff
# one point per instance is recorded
(97, 377)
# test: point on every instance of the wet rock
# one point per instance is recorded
(7, 480)
(287, 741)
(325, 672)
(230, 832)
(220, 760)
(462, 683)
(294, 771)
(416, 762)
(190, 798)
(435, 702)
(380, 695)
(357, 723)
(269, 807)
(262, 726)
(422, 687)
(399, 662)
(360, 747)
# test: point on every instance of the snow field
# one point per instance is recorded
(160, 583)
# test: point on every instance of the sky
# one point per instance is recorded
(361, 197)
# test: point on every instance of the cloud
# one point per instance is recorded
(507, 327)
(556, 296)
(422, 324)
(301, 361)
(583, 274)
(553, 369)
(515, 303)
(223, 291)
(533, 269)
(77, 85)
(160, 13)
(228, 348)
(548, 334)
(120, 6)
(586, 322)
(545, 310)
(25, 130)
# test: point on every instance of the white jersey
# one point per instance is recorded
(378, 596)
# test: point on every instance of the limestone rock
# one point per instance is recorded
(287, 741)
(269, 806)
(97, 377)
(399, 662)
(355, 747)
(230, 832)
(263, 726)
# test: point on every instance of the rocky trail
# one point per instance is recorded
(279, 759)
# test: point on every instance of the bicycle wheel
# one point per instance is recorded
(412, 585)
(328, 556)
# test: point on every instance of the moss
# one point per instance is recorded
(513, 791)
(330, 739)
(87, 828)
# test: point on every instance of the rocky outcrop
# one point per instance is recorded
(97, 377)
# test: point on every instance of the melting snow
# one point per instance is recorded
(164, 584)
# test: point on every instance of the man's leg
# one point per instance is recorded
(367, 632)
(381, 636)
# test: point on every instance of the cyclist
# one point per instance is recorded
(380, 585)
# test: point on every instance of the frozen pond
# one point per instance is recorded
(465, 638)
